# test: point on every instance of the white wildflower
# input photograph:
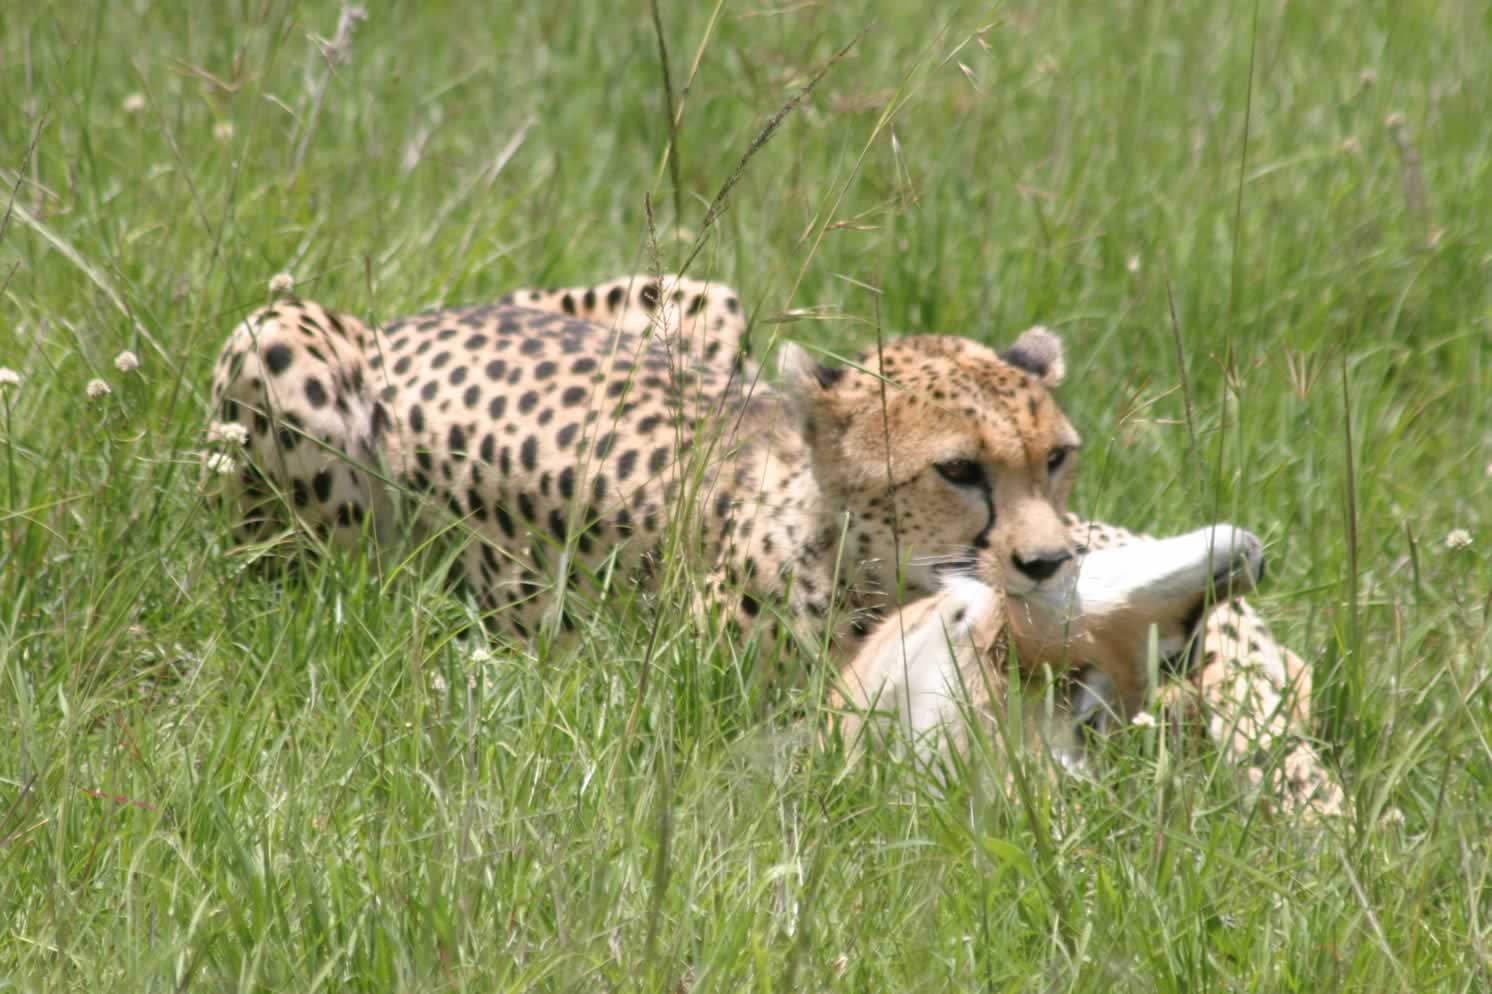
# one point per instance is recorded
(438, 683)
(482, 663)
(1133, 265)
(281, 283)
(223, 131)
(228, 431)
(1394, 121)
(126, 362)
(1459, 538)
(221, 464)
(1351, 146)
(1486, 472)
(10, 378)
(1144, 719)
(134, 103)
(1367, 78)
(97, 388)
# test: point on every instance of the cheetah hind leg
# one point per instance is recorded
(293, 384)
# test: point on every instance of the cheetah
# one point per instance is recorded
(608, 430)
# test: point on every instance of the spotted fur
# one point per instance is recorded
(572, 432)
(569, 434)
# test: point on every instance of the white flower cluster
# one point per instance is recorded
(217, 462)
(228, 431)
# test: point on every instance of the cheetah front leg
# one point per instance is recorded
(1254, 695)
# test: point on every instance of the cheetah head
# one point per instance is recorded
(947, 457)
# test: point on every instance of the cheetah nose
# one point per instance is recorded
(1042, 565)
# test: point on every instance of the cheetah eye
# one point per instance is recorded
(961, 472)
(1056, 458)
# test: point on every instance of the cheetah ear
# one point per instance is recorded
(803, 377)
(1039, 352)
(807, 384)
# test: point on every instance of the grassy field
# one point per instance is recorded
(210, 782)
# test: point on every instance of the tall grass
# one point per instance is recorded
(326, 782)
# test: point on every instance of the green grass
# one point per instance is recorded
(211, 782)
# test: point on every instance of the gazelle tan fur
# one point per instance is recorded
(941, 659)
